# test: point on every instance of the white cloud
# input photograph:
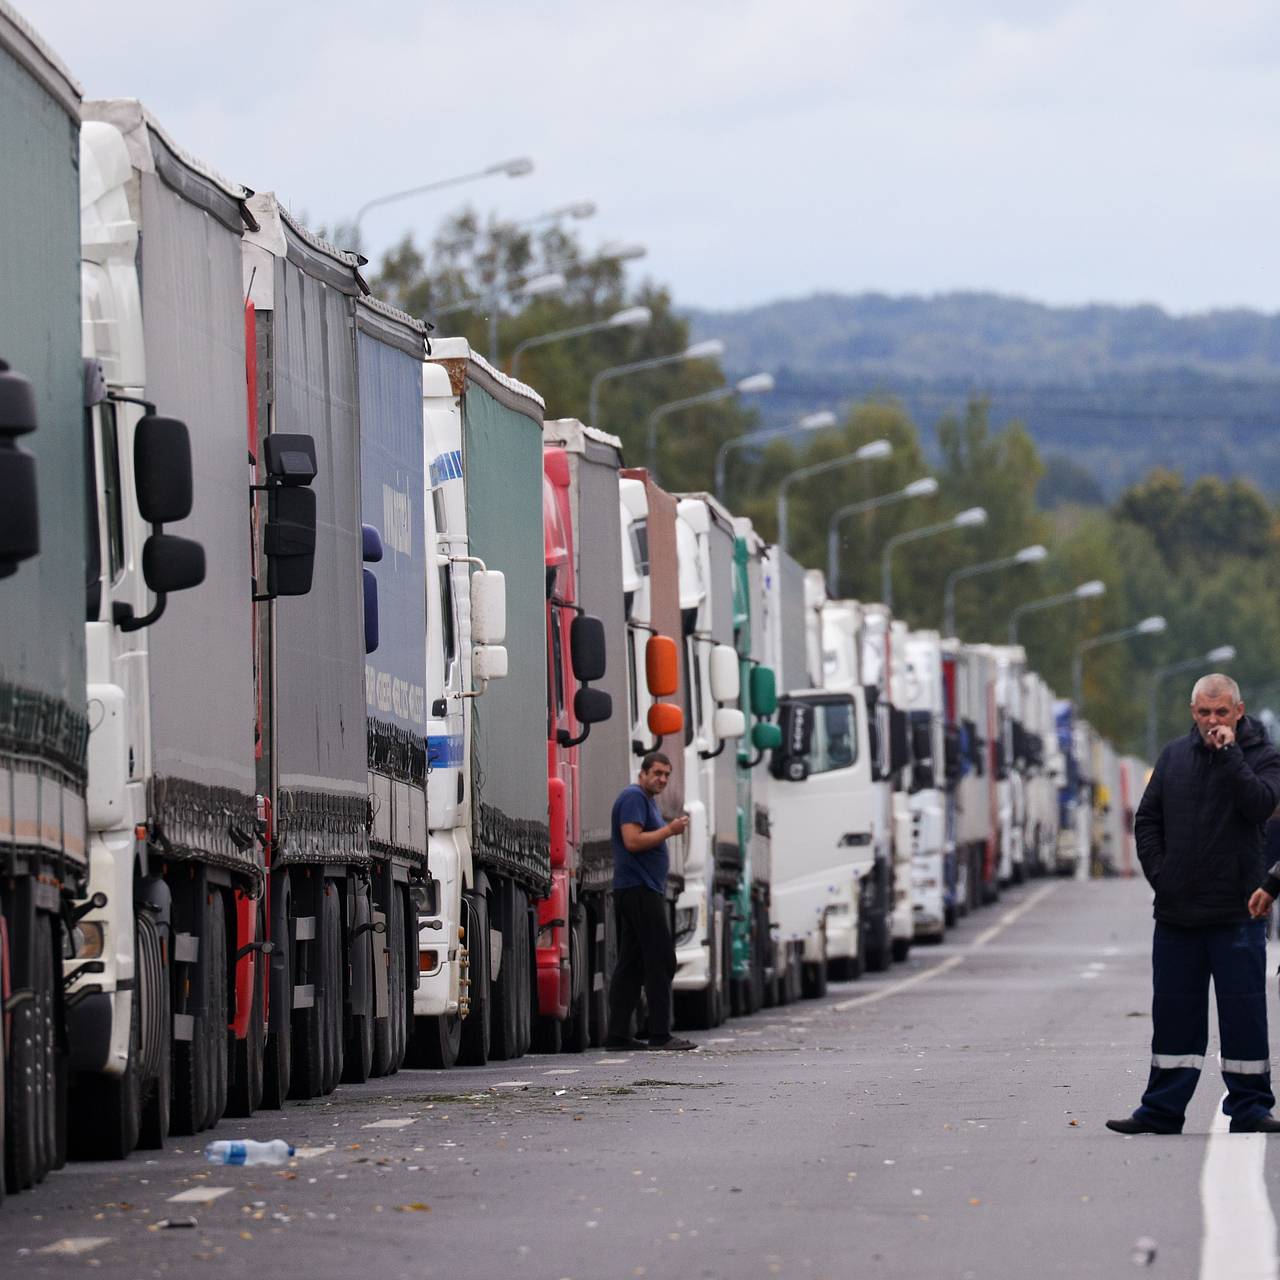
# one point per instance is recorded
(1065, 149)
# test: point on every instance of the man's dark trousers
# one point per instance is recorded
(1182, 962)
(646, 958)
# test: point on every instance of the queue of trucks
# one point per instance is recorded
(325, 652)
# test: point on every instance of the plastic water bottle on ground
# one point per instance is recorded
(246, 1151)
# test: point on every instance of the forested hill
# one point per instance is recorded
(1116, 390)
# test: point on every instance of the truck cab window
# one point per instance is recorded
(111, 488)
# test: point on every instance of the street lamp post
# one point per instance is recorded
(753, 384)
(707, 350)
(925, 487)
(1085, 591)
(1223, 653)
(873, 449)
(1028, 555)
(970, 518)
(628, 318)
(1147, 627)
(810, 422)
(511, 168)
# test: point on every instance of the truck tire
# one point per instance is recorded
(726, 963)
(528, 1007)
(335, 988)
(434, 1042)
(245, 1094)
(476, 1046)
(157, 1018)
(30, 1077)
(508, 989)
(216, 1023)
(388, 1032)
(576, 1036)
(358, 1050)
(105, 1110)
(599, 936)
(901, 949)
(277, 1061)
(195, 1073)
(307, 1026)
(813, 979)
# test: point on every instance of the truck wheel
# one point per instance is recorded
(434, 1042)
(157, 1019)
(334, 1002)
(813, 979)
(245, 1094)
(193, 1077)
(548, 1034)
(105, 1109)
(760, 944)
(477, 1045)
(388, 1032)
(358, 1051)
(216, 1022)
(577, 1031)
(901, 949)
(28, 1079)
(726, 961)
(505, 991)
(277, 1061)
(306, 1080)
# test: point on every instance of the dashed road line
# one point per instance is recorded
(388, 1124)
(199, 1195)
(945, 966)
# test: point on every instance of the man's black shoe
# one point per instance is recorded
(1263, 1124)
(1132, 1125)
(624, 1042)
(672, 1042)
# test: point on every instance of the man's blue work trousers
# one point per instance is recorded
(1182, 962)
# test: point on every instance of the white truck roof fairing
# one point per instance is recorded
(452, 349)
(573, 435)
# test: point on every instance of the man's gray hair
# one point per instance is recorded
(1215, 685)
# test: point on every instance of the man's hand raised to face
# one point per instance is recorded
(1221, 735)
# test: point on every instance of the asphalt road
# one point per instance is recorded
(941, 1120)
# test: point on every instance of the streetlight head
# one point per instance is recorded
(874, 449)
(970, 518)
(1086, 590)
(1031, 555)
(925, 487)
(516, 168)
(582, 209)
(621, 250)
(1151, 626)
(708, 350)
(817, 421)
(630, 318)
(755, 385)
(552, 282)
(1223, 653)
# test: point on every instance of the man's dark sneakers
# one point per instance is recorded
(624, 1042)
(672, 1042)
(1263, 1124)
(1130, 1124)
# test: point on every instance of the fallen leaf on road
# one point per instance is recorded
(416, 1207)
(975, 1200)
(1075, 1124)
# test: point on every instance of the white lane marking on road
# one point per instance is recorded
(72, 1245)
(198, 1195)
(951, 962)
(561, 1071)
(1239, 1226)
(611, 1062)
(388, 1124)
(1090, 974)
(512, 1084)
(1097, 964)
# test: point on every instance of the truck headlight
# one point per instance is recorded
(89, 939)
(686, 924)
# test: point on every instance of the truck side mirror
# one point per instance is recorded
(763, 688)
(726, 680)
(665, 719)
(19, 497)
(170, 563)
(488, 607)
(370, 610)
(162, 469)
(590, 706)
(726, 723)
(488, 662)
(662, 668)
(587, 648)
(766, 736)
(370, 544)
(290, 541)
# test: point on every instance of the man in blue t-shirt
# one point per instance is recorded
(646, 953)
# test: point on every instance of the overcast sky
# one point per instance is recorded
(1064, 150)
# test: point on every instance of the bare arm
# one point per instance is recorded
(635, 839)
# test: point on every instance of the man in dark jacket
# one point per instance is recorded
(1199, 832)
